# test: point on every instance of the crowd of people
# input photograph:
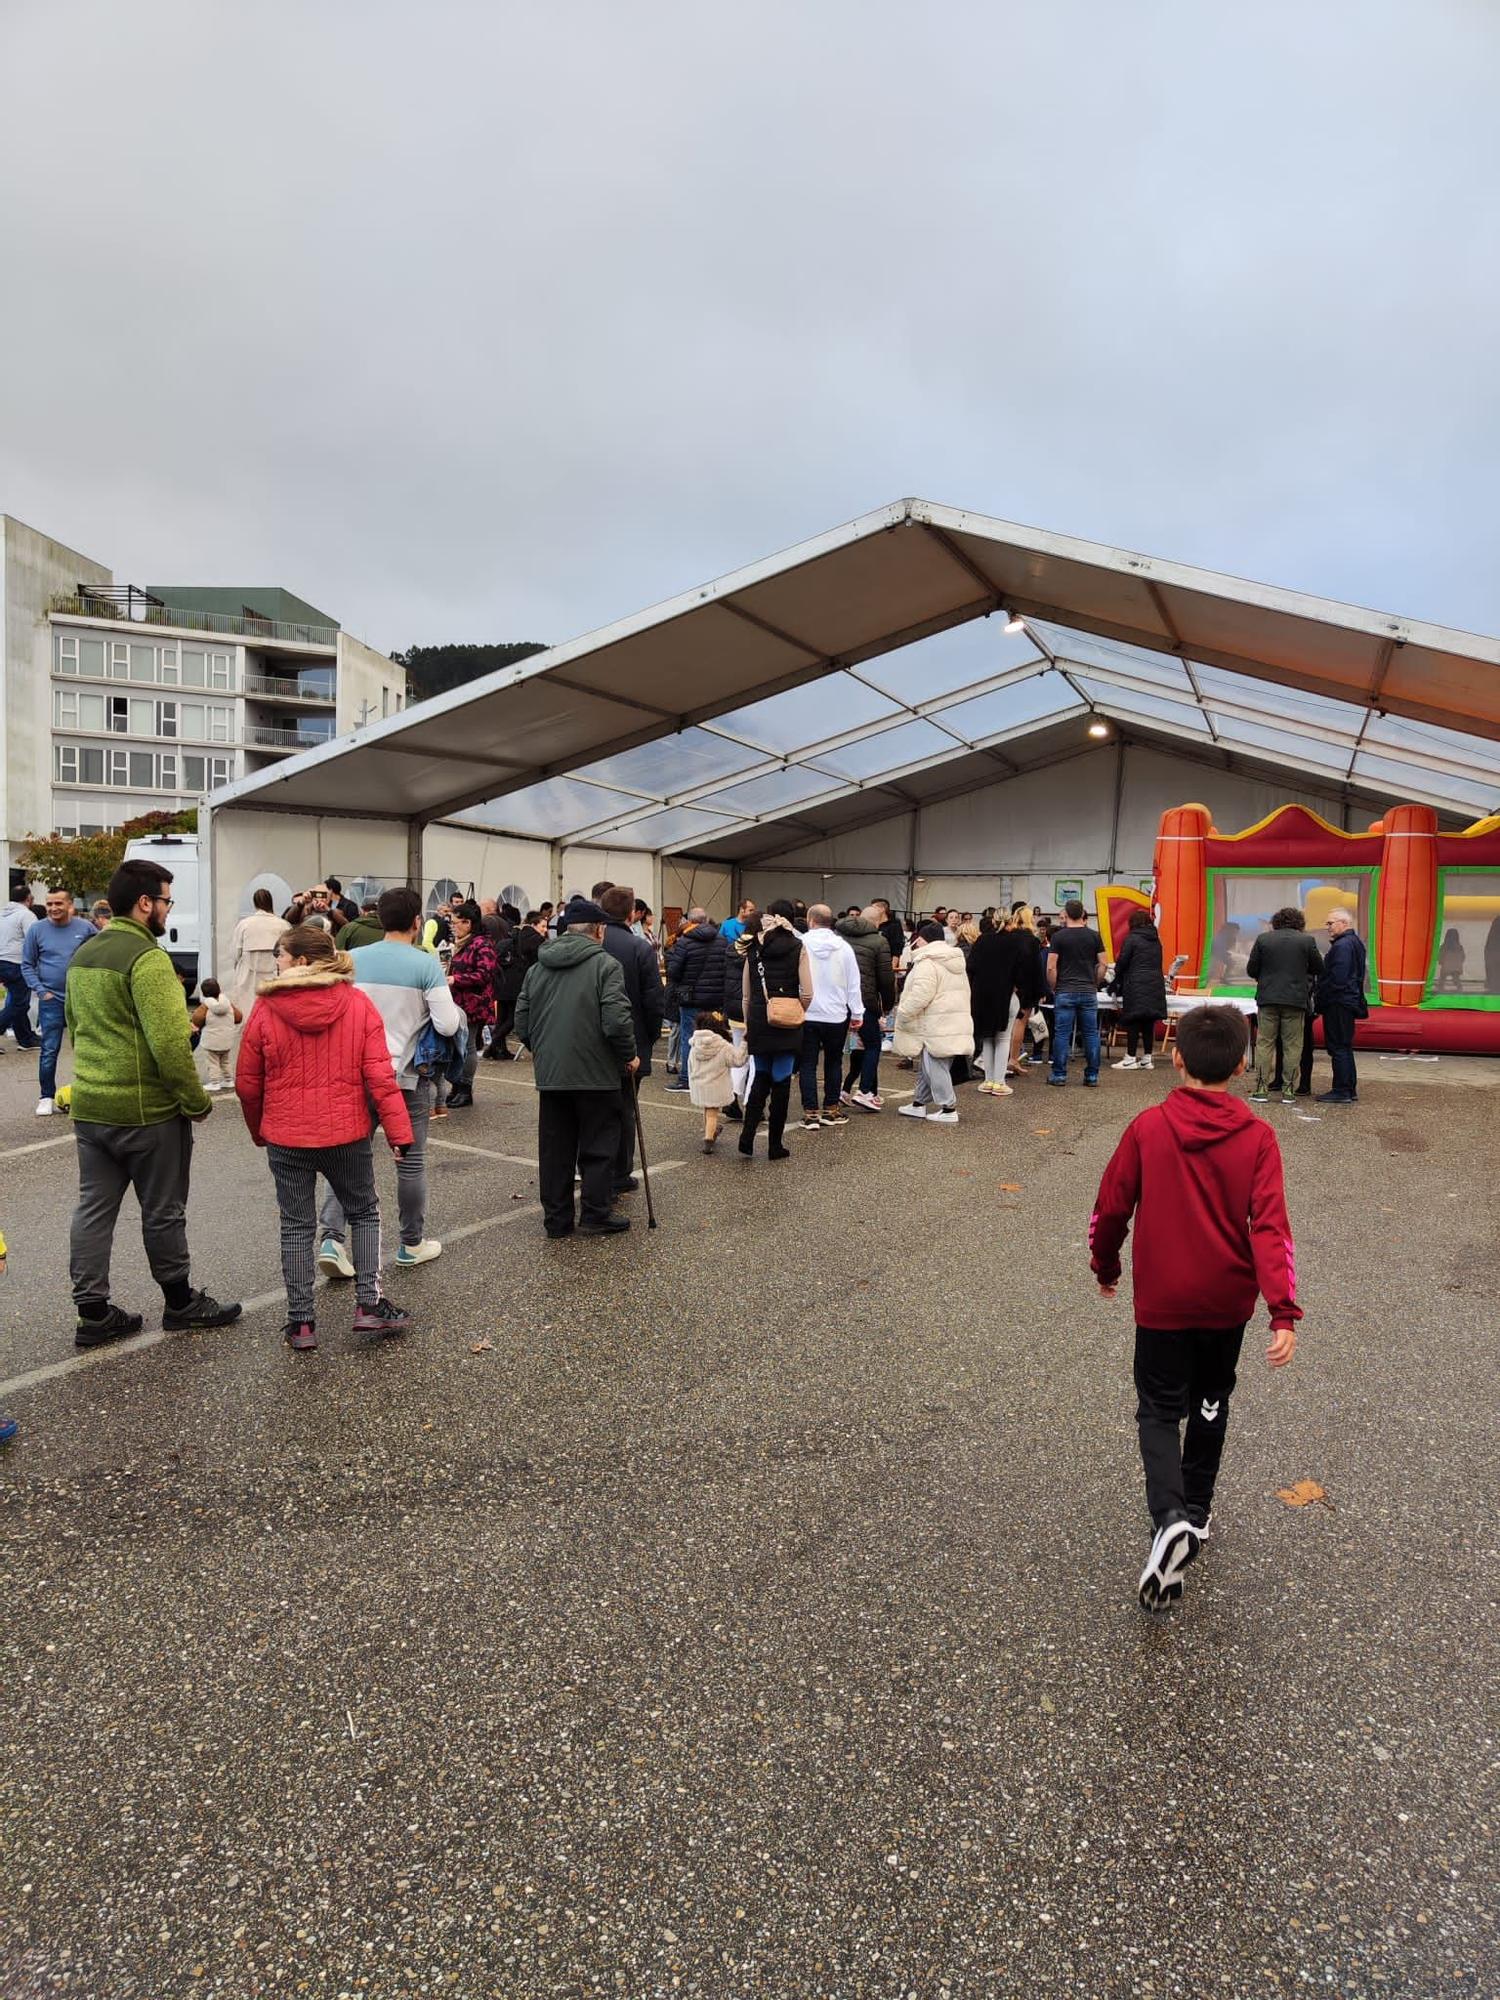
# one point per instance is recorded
(358, 1019)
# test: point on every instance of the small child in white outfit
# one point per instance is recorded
(216, 1020)
(710, 1060)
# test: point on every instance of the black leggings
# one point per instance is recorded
(1140, 1028)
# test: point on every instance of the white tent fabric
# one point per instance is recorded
(779, 703)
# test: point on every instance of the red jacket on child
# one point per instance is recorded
(1201, 1174)
(313, 1058)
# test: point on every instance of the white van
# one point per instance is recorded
(177, 852)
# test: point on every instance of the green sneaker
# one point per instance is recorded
(1260, 1097)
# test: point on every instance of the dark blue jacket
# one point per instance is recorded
(695, 966)
(643, 987)
(1342, 980)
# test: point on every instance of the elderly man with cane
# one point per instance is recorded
(573, 1013)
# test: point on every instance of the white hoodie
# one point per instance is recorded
(837, 995)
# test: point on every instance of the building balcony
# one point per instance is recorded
(314, 691)
(261, 736)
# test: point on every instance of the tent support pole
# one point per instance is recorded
(414, 854)
(911, 863)
(555, 867)
(1114, 825)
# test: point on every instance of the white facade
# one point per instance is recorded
(110, 713)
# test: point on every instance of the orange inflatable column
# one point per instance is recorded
(1407, 917)
(1182, 884)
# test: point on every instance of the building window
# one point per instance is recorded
(67, 653)
(65, 708)
(90, 767)
(169, 666)
(218, 772)
(166, 771)
(91, 710)
(118, 716)
(194, 667)
(91, 657)
(67, 764)
(166, 718)
(119, 659)
(143, 663)
(219, 671)
(221, 725)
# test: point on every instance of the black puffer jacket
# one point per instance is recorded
(695, 967)
(877, 976)
(1139, 979)
(780, 960)
(1000, 964)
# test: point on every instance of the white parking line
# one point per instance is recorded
(138, 1344)
(37, 1146)
(485, 1152)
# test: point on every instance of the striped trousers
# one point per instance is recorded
(350, 1173)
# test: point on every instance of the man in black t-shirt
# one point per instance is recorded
(1075, 966)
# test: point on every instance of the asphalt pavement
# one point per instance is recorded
(748, 1608)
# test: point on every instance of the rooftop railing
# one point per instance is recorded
(261, 736)
(135, 611)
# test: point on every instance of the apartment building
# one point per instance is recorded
(119, 699)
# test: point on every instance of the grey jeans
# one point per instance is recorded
(934, 1082)
(351, 1171)
(411, 1177)
(156, 1160)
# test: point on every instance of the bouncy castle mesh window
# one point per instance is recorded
(1466, 954)
(1242, 903)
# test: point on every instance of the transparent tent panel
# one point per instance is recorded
(957, 659)
(674, 763)
(1394, 732)
(1476, 794)
(1015, 707)
(552, 809)
(1125, 702)
(775, 791)
(1083, 650)
(1235, 734)
(665, 829)
(804, 715)
(1245, 691)
(909, 743)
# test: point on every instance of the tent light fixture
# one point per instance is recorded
(1098, 728)
(1014, 623)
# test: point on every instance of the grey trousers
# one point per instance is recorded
(935, 1082)
(411, 1176)
(350, 1171)
(156, 1160)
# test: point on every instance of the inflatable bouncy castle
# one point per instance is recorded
(1426, 903)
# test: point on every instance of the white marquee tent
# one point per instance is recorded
(921, 697)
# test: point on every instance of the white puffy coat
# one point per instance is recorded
(934, 1012)
(710, 1059)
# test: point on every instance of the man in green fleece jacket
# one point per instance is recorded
(573, 1013)
(136, 1096)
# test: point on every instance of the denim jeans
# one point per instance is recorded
(687, 1022)
(411, 1177)
(54, 1024)
(17, 1010)
(1082, 1009)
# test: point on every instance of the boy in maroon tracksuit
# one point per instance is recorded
(1202, 1176)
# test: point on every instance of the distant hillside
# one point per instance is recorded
(435, 669)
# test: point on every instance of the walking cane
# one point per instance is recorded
(640, 1146)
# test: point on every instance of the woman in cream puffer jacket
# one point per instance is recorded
(934, 1016)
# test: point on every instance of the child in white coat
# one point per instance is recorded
(710, 1060)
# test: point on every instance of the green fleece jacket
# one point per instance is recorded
(132, 1057)
(574, 1016)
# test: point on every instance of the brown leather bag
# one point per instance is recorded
(781, 1011)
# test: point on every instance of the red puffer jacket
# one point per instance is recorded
(313, 1058)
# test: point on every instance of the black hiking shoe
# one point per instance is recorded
(117, 1324)
(202, 1309)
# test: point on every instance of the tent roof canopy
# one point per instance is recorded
(779, 694)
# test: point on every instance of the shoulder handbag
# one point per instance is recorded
(781, 1011)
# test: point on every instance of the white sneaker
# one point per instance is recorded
(46, 1108)
(333, 1259)
(942, 1117)
(1126, 1062)
(865, 1099)
(1144, 1063)
(418, 1253)
(911, 1110)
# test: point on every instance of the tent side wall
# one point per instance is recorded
(686, 882)
(1021, 836)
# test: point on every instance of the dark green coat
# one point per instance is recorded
(1285, 966)
(573, 1014)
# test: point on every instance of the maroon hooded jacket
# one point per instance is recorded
(1201, 1174)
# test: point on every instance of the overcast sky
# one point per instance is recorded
(500, 320)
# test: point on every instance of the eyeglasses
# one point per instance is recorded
(163, 899)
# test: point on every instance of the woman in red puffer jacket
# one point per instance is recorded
(313, 1062)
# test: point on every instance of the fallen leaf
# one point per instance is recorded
(1010, 1187)
(1041, 1131)
(481, 1346)
(1303, 1494)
